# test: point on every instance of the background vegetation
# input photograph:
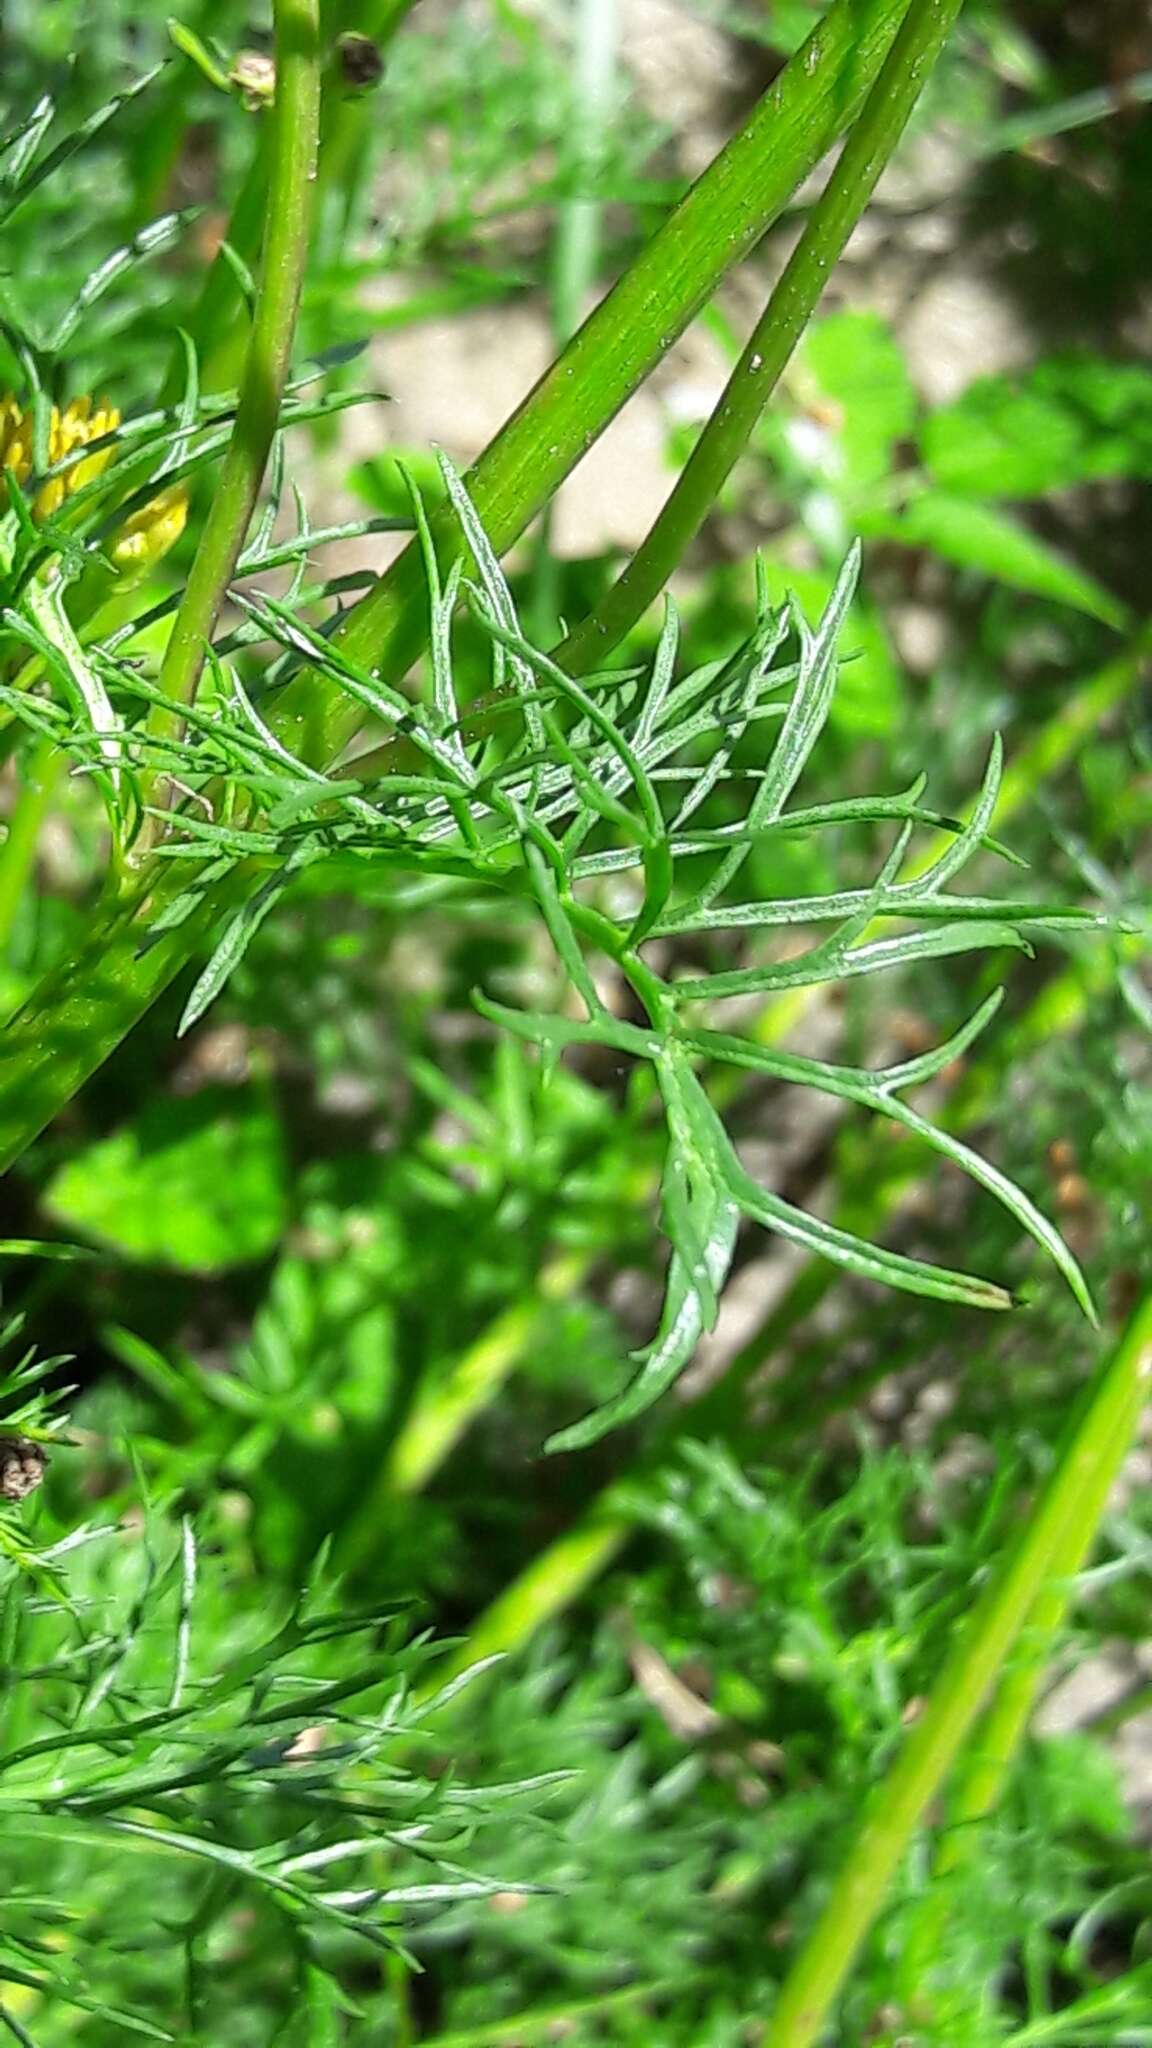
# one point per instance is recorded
(302, 1279)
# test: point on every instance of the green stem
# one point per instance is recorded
(79, 1014)
(790, 307)
(576, 252)
(1065, 1518)
(723, 216)
(557, 2021)
(295, 124)
(986, 1768)
(1038, 124)
(213, 325)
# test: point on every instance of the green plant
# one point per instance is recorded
(269, 1793)
(606, 853)
(543, 814)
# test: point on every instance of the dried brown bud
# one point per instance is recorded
(359, 63)
(254, 75)
(22, 1466)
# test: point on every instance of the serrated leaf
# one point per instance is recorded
(1067, 421)
(851, 364)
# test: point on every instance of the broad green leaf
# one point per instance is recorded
(852, 376)
(994, 544)
(198, 1184)
(383, 481)
(1065, 422)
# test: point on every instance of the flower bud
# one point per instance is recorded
(151, 531)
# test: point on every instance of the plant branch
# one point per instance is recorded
(723, 216)
(726, 212)
(552, 1581)
(870, 144)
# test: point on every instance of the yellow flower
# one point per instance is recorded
(79, 424)
(143, 538)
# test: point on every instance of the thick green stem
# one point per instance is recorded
(213, 328)
(1064, 1521)
(723, 216)
(869, 146)
(295, 126)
